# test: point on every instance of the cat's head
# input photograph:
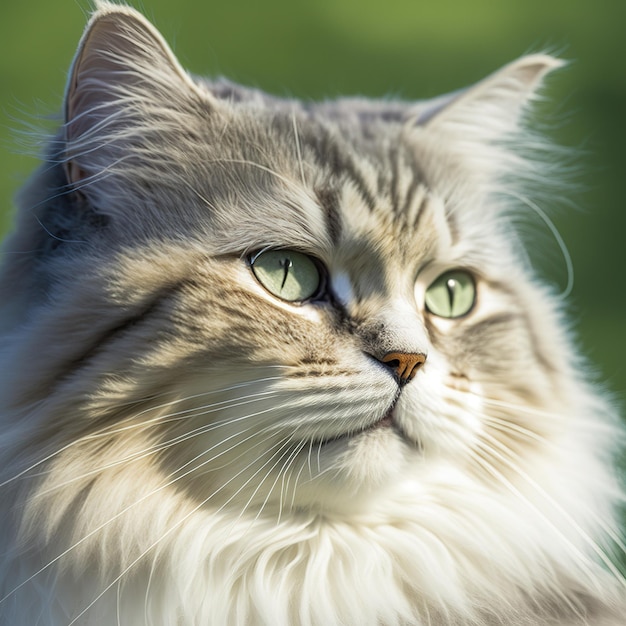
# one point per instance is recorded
(276, 303)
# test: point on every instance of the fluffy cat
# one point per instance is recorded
(285, 363)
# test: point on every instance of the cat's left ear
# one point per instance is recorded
(492, 108)
(479, 133)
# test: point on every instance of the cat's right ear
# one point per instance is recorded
(124, 81)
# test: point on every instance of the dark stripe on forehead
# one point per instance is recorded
(417, 179)
(334, 156)
(329, 201)
(394, 166)
(410, 198)
(352, 172)
(423, 207)
(419, 182)
(453, 227)
(405, 181)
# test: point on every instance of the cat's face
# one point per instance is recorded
(291, 329)
(298, 301)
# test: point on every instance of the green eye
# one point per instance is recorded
(289, 275)
(451, 295)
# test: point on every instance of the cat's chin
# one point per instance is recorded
(350, 470)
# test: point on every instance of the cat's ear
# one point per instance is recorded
(479, 133)
(124, 83)
(492, 107)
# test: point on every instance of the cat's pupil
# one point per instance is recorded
(286, 264)
(451, 284)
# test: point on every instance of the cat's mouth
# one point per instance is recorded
(387, 421)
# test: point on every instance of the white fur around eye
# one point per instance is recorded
(342, 287)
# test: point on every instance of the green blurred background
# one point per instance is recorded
(405, 48)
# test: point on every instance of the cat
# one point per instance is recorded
(278, 362)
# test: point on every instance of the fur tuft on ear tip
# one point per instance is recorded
(530, 70)
(500, 97)
(108, 6)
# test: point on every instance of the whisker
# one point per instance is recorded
(581, 558)
(509, 427)
(491, 445)
(112, 431)
(504, 458)
(167, 532)
(146, 612)
(569, 265)
(298, 147)
(163, 445)
(142, 499)
(309, 455)
(118, 602)
(295, 483)
(306, 463)
(285, 443)
(290, 183)
(284, 470)
(516, 408)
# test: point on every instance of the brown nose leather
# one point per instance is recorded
(404, 364)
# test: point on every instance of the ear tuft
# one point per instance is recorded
(123, 72)
(494, 104)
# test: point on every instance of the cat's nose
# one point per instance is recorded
(404, 364)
